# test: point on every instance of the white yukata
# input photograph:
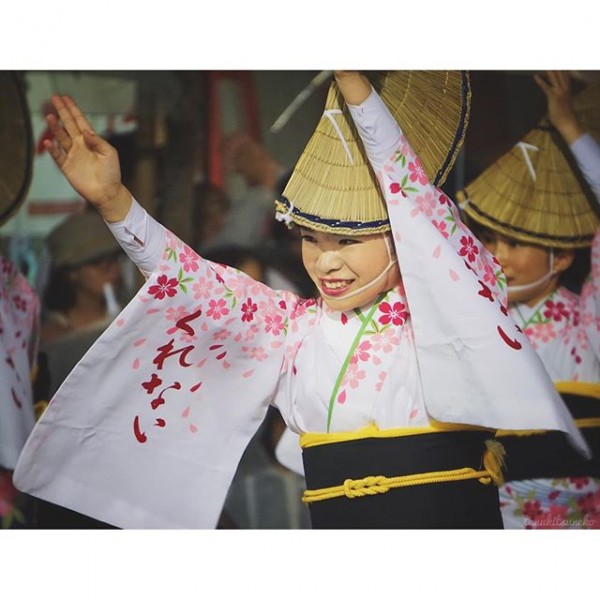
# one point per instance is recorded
(19, 329)
(149, 427)
(564, 329)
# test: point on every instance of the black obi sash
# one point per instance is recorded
(548, 454)
(467, 504)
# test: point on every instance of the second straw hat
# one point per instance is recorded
(80, 238)
(333, 188)
(533, 194)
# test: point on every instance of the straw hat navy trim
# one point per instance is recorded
(446, 167)
(521, 231)
(335, 223)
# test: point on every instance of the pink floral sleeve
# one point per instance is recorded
(590, 299)
(179, 384)
(475, 364)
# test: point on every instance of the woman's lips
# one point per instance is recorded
(335, 287)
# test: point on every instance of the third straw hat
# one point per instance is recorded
(333, 187)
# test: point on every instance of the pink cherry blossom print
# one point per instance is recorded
(258, 354)
(248, 310)
(362, 352)
(385, 341)
(579, 482)
(395, 314)
(175, 313)
(354, 375)
(203, 288)
(163, 287)
(426, 204)
(217, 309)
(443, 199)
(189, 259)
(442, 227)
(417, 172)
(468, 248)
(274, 324)
(489, 275)
(555, 311)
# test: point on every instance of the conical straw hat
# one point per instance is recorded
(534, 194)
(16, 145)
(328, 192)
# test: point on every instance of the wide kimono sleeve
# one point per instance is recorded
(587, 154)
(476, 366)
(148, 429)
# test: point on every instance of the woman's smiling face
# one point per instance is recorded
(349, 271)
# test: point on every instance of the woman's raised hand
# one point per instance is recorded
(89, 163)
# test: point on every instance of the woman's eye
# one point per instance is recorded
(348, 242)
(307, 238)
(487, 238)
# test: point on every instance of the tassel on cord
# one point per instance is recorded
(493, 461)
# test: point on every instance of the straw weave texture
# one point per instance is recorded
(16, 145)
(551, 211)
(329, 193)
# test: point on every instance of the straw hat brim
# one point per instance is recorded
(533, 195)
(16, 145)
(329, 191)
(80, 238)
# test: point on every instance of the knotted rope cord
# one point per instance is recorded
(369, 486)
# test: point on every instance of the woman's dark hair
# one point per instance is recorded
(574, 277)
(59, 294)
(233, 256)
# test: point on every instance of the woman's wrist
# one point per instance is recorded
(116, 205)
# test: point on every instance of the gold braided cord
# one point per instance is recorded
(369, 486)
(493, 461)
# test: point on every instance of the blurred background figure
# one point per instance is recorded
(211, 207)
(80, 292)
(19, 306)
(250, 219)
(243, 222)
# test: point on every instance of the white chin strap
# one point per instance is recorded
(392, 261)
(534, 284)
